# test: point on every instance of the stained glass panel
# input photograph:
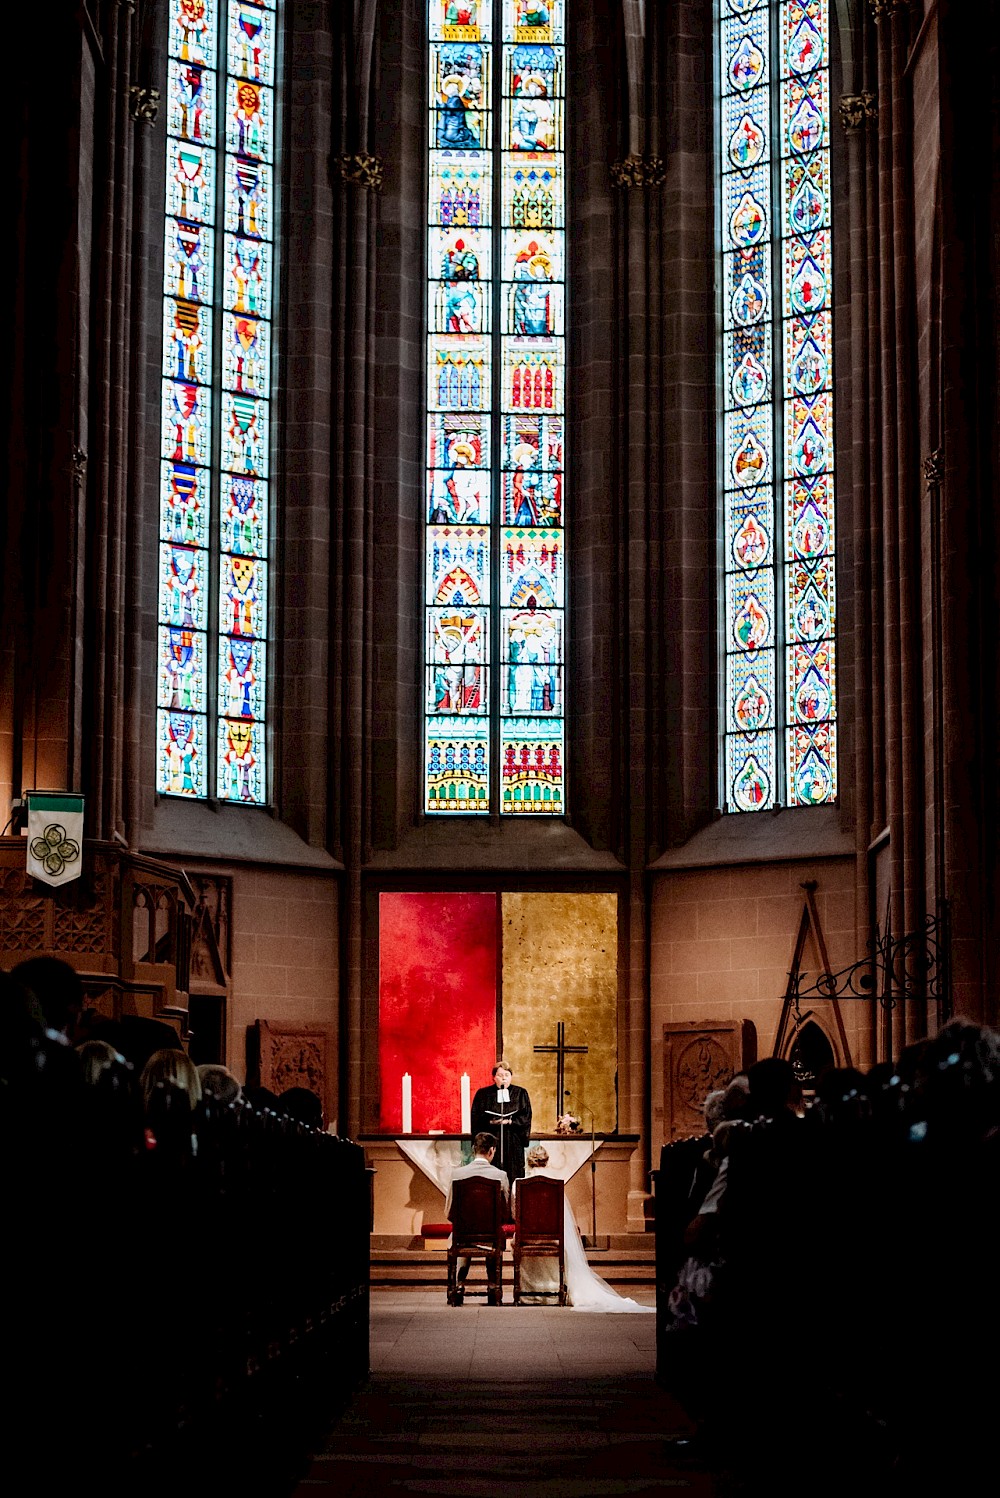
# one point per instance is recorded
(180, 741)
(188, 261)
(190, 102)
(216, 364)
(777, 439)
(531, 767)
(810, 577)
(489, 576)
(183, 515)
(458, 777)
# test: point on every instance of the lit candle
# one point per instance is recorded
(407, 1103)
(466, 1105)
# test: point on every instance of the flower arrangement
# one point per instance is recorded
(568, 1123)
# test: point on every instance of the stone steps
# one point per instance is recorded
(628, 1260)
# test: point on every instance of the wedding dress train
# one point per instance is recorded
(585, 1290)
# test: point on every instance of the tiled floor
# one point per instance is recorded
(413, 1332)
(476, 1401)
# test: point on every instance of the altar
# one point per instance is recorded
(412, 1175)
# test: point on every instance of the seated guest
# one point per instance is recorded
(774, 1091)
(170, 1069)
(59, 992)
(134, 1036)
(302, 1105)
(484, 1147)
(170, 1090)
(218, 1083)
(96, 1058)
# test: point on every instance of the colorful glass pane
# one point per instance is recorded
(183, 511)
(457, 650)
(240, 758)
(531, 565)
(188, 261)
(187, 341)
(532, 399)
(457, 759)
(533, 21)
(242, 677)
(243, 516)
(182, 669)
(471, 442)
(190, 102)
(191, 181)
(531, 767)
(251, 40)
(183, 586)
(220, 123)
(180, 739)
(193, 31)
(779, 571)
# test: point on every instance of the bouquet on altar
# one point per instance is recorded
(568, 1123)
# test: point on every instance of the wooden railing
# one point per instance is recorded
(130, 926)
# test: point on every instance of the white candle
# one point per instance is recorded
(407, 1103)
(466, 1105)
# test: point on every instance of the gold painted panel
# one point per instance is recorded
(560, 962)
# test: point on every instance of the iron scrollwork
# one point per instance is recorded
(911, 967)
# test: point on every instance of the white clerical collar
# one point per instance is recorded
(503, 1094)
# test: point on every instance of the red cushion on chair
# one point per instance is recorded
(443, 1230)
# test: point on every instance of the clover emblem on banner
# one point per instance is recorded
(54, 850)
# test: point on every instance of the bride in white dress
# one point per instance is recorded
(586, 1291)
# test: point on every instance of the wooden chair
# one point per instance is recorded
(476, 1233)
(538, 1230)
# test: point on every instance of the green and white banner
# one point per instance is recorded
(55, 836)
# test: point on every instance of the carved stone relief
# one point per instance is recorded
(697, 1058)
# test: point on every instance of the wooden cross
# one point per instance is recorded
(561, 1050)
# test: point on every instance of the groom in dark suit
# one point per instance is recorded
(504, 1111)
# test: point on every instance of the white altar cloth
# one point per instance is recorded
(438, 1158)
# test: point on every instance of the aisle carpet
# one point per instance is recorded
(536, 1402)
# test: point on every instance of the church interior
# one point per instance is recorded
(502, 564)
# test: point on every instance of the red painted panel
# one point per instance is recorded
(437, 1002)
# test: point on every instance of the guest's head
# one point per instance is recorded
(772, 1087)
(484, 1144)
(736, 1097)
(218, 1083)
(502, 1074)
(302, 1105)
(712, 1108)
(171, 1069)
(58, 989)
(956, 1086)
(842, 1092)
(727, 1102)
(96, 1058)
(537, 1157)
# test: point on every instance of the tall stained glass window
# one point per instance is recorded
(216, 408)
(496, 377)
(780, 742)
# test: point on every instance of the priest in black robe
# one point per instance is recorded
(504, 1111)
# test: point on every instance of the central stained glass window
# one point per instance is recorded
(494, 597)
(216, 400)
(780, 706)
